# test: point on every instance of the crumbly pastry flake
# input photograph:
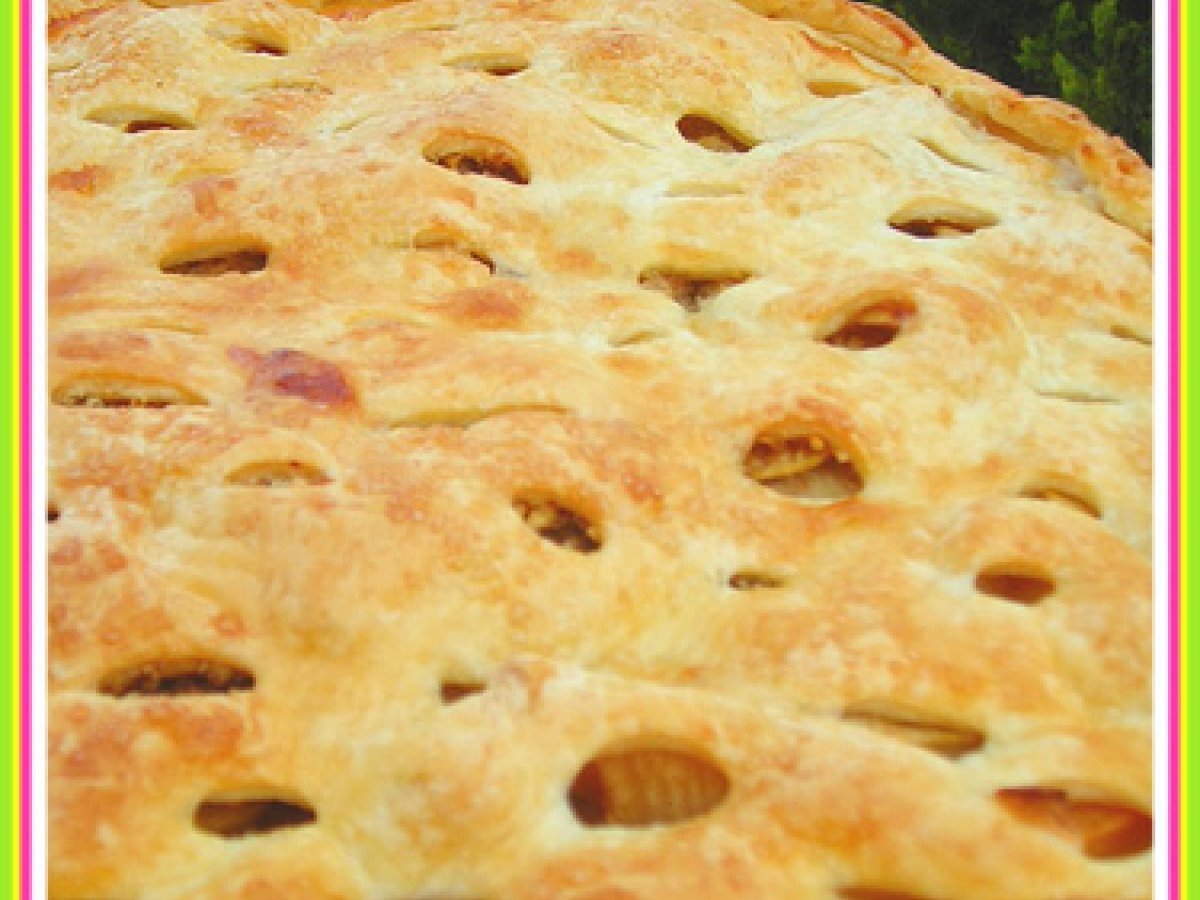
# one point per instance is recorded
(588, 450)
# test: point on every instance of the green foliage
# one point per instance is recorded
(1094, 54)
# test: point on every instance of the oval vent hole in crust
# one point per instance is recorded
(240, 818)
(1023, 583)
(690, 289)
(191, 675)
(637, 788)
(53, 513)
(454, 689)
(558, 523)
(115, 392)
(711, 135)
(139, 120)
(278, 473)
(872, 326)
(1076, 498)
(479, 156)
(942, 738)
(502, 65)
(1102, 829)
(755, 580)
(240, 259)
(798, 462)
(940, 220)
(445, 242)
(831, 89)
(1127, 334)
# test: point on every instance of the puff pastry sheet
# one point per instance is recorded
(591, 450)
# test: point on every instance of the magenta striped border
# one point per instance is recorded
(1174, 376)
(25, 619)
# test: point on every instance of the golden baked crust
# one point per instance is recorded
(594, 449)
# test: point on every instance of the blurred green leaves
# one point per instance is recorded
(1094, 54)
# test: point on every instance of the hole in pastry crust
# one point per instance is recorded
(502, 65)
(278, 473)
(947, 155)
(942, 738)
(1102, 829)
(479, 156)
(1127, 334)
(801, 462)
(140, 120)
(453, 690)
(690, 289)
(830, 89)
(755, 580)
(53, 513)
(1059, 490)
(438, 241)
(240, 818)
(258, 46)
(1017, 582)
(238, 259)
(558, 523)
(638, 788)
(872, 326)
(711, 135)
(874, 893)
(188, 675)
(1076, 395)
(941, 220)
(468, 416)
(119, 392)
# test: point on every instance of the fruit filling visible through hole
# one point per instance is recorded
(872, 326)
(690, 289)
(257, 816)
(192, 675)
(559, 524)
(942, 738)
(711, 135)
(1102, 829)
(637, 788)
(479, 156)
(802, 465)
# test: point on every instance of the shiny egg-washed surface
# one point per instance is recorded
(592, 450)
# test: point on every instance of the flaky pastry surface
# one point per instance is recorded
(604, 449)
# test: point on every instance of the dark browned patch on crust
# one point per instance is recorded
(711, 135)
(293, 373)
(874, 893)
(241, 818)
(1103, 829)
(188, 675)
